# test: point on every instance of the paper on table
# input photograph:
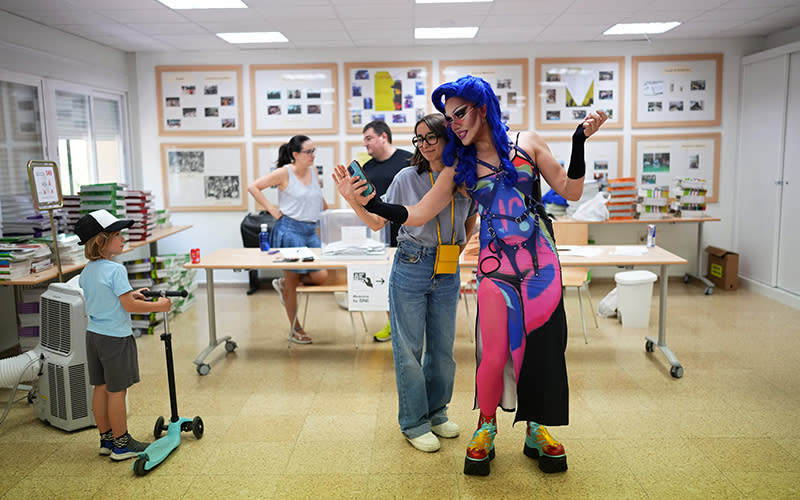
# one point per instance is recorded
(579, 251)
(296, 252)
(631, 251)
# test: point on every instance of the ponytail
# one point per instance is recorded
(287, 150)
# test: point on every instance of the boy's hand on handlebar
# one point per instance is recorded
(163, 304)
(137, 294)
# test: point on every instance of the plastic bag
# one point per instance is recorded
(607, 307)
(594, 209)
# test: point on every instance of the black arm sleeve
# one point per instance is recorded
(577, 163)
(389, 211)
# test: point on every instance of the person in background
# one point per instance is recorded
(111, 356)
(385, 163)
(521, 310)
(422, 304)
(300, 203)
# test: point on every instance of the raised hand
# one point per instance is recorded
(350, 187)
(593, 122)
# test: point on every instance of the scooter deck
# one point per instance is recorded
(160, 449)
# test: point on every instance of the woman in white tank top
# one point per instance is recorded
(300, 203)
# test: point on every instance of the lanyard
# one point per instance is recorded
(452, 219)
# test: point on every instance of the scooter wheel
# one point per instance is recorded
(197, 427)
(139, 466)
(159, 427)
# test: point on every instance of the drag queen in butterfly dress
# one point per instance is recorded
(523, 332)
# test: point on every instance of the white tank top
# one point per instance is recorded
(301, 202)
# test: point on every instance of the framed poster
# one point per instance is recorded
(677, 91)
(603, 155)
(569, 88)
(288, 99)
(204, 177)
(658, 160)
(509, 79)
(45, 185)
(266, 153)
(395, 92)
(199, 100)
(356, 150)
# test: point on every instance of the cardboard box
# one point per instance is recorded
(723, 268)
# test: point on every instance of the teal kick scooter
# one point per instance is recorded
(160, 449)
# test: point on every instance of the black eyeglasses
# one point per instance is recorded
(309, 151)
(431, 138)
(459, 114)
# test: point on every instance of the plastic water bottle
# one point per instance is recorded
(263, 238)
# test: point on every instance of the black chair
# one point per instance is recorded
(250, 229)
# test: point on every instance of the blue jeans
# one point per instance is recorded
(422, 315)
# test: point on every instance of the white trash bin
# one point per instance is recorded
(635, 290)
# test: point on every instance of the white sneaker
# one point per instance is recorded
(447, 429)
(277, 284)
(426, 442)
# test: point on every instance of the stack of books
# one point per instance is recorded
(163, 219)
(20, 218)
(17, 258)
(139, 208)
(163, 272)
(69, 252)
(622, 203)
(28, 316)
(108, 196)
(690, 197)
(72, 211)
(653, 203)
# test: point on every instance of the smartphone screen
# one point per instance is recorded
(354, 169)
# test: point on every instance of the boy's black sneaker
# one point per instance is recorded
(129, 450)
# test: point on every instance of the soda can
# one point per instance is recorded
(651, 235)
(195, 255)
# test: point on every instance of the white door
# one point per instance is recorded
(789, 241)
(761, 136)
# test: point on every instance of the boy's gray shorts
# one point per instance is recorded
(112, 361)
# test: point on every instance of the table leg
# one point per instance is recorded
(202, 367)
(699, 275)
(676, 370)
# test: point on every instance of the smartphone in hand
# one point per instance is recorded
(355, 170)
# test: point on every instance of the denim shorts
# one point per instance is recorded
(288, 232)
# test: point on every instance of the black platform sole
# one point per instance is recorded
(478, 467)
(548, 465)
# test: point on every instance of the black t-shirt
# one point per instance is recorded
(381, 174)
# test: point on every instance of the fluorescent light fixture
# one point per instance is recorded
(255, 37)
(453, 1)
(204, 4)
(640, 28)
(442, 33)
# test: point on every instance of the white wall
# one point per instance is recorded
(213, 230)
(28, 47)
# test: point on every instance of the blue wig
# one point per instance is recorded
(477, 91)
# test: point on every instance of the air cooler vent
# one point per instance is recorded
(58, 398)
(78, 394)
(55, 331)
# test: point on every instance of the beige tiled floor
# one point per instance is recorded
(319, 421)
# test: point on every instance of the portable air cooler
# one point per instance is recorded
(63, 394)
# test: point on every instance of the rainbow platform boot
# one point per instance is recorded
(480, 450)
(539, 444)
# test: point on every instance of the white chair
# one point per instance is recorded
(570, 233)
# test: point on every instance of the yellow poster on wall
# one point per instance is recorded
(388, 92)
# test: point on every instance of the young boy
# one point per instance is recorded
(110, 346)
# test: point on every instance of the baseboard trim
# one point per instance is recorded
(782, 296)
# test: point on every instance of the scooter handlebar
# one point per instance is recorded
(165, 293)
